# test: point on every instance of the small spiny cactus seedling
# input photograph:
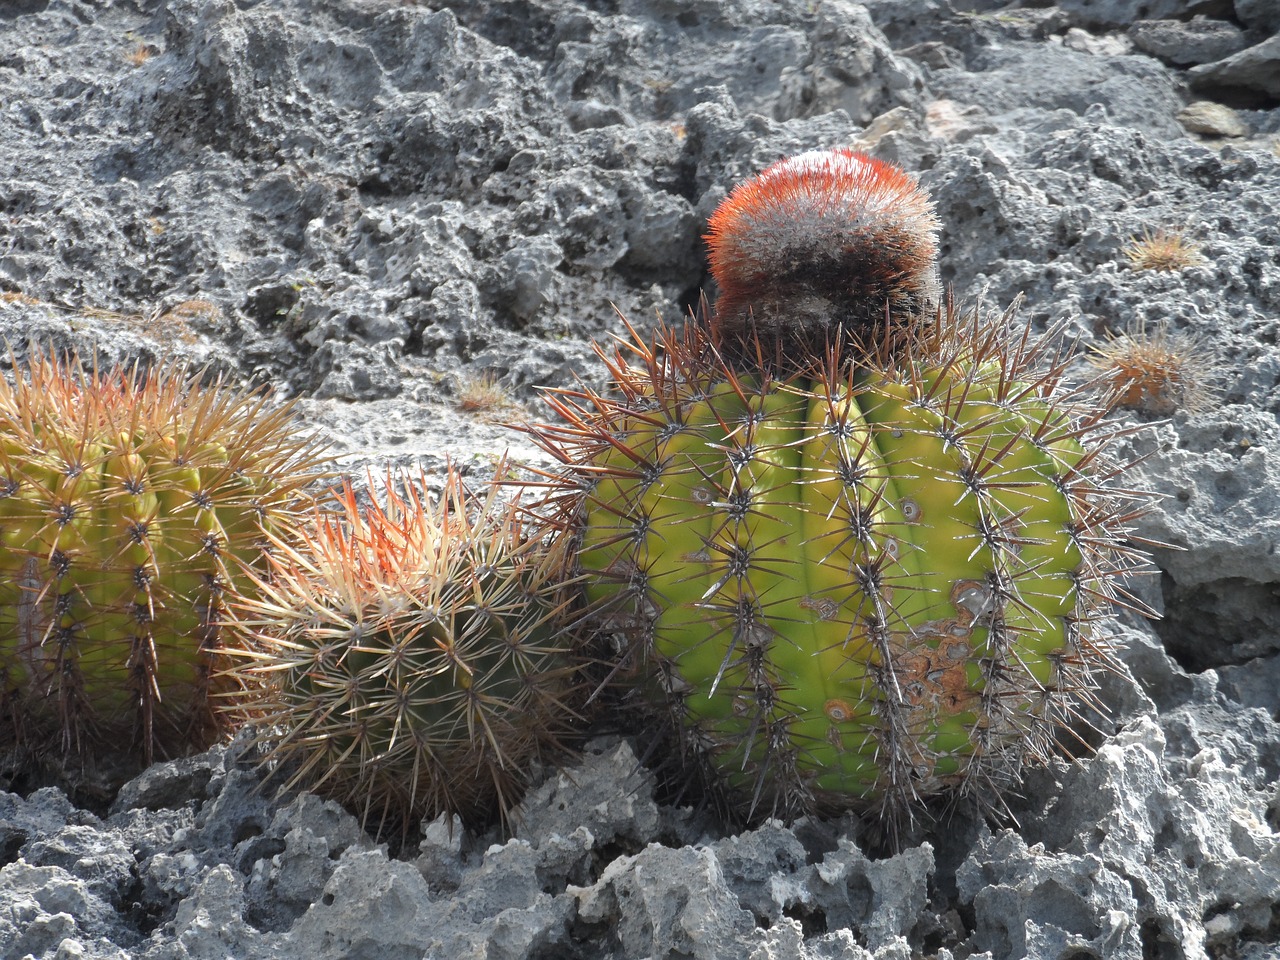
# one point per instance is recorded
(202, 311)
(130, 502)
(856, 577)
(486, 396)
(140, 54)
(411, 653)
(1158, 372)
(1162, 250)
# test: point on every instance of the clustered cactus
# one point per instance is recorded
(854, 548)
(132, 502)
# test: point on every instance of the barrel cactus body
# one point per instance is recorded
(130, 502)
(863, 583)
(411, 653)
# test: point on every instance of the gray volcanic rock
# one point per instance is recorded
(1121, 13)
(1255, 69)
(1185, 43)
(370, 204)
(1259, 14)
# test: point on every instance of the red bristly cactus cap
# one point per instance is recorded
(825, 238)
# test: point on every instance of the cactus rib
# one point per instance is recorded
(861, 585)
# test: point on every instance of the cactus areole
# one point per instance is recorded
(860, 585)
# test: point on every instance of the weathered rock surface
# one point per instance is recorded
(370, 203)
(1255, 69)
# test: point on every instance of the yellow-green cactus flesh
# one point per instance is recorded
(861, 587)
(130, 504)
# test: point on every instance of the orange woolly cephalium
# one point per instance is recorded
(823, 239)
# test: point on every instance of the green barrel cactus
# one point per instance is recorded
(131, 504)
(861, 584)
(408, 652)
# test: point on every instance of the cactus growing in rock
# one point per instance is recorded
(411, 652)
(1159, 372)
(859, 571)
(130, 503)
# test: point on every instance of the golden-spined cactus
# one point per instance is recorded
(132, 503)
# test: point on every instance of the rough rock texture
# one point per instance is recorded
(1255, 68)
(1184, 42)
(372, 203)
(1212, 119)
